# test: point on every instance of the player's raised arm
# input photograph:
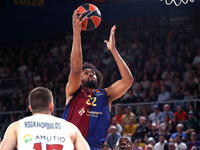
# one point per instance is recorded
(118, 88)
(76, 60)
(10, 137)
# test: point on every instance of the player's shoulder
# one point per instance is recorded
(13, 126)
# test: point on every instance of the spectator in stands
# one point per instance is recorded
(113, 137)
(169, 81)
(149, 147)
(172, 146)
(179, 129)
(165, 124)
(162, 144)
(181, 114)
(150, 141)
(119, 114)
(118, 126)
(173, 123)
(144, 97)
(177, 82)
(153, 133)
(136, 145)
(167, 87)
(130, 128)
(156, 81)
(105, 146)
(191, 108)
(22, 104)
(179, 144)
(167, 134)
(191, 124)
(137, 74)
(145, 82)
(2, 116)
(149, 124)
(164, 95)
(145, 113)
(141, 130)
(177, 95)
(179, 65)
(129, 97)
(152, 96)
(185, 87)
(196, 58)
(194, 148)
(154, 115)
(166, 111)
(188, 96)
(138, 93)
(193, 141)
(125, 117)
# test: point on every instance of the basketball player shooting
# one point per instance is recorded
(88, 106)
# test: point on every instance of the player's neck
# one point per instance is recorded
(90, 90)
(42, 113)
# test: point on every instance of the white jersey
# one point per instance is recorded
(43, 132)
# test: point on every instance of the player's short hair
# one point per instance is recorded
(98, 73)
(39, 99)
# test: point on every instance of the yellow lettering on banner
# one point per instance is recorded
(22, 2)
(34, 2)
(41, 3)
(30, 2)
(16, 2)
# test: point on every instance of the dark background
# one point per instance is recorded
(28, 21)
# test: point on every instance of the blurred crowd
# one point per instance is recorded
(160, 130)
(165, 64)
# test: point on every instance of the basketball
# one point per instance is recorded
(93, 14)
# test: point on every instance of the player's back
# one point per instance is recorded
(42, 132)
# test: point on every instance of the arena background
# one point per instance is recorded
(27, 20)
(26, 24)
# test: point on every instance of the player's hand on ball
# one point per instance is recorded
(77, 22)
(111, 43)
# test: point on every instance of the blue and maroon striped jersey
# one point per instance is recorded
(90, 113)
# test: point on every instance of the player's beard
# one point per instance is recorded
(89, 84)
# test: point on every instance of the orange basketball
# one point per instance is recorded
(93, 14)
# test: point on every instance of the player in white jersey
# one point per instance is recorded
(42, 131)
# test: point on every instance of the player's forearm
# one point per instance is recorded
(76, 59)
(123, 68)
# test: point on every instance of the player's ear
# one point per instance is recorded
(51, 106)
(30, 108)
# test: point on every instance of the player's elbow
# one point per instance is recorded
(129, 81)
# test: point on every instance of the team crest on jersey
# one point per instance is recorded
(81, 111)
(97, 91)
(27, 138)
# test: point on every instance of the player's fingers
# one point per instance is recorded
(113, 29)
(75, 14)
(79, 18)
(82, 20)
(105, 41)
